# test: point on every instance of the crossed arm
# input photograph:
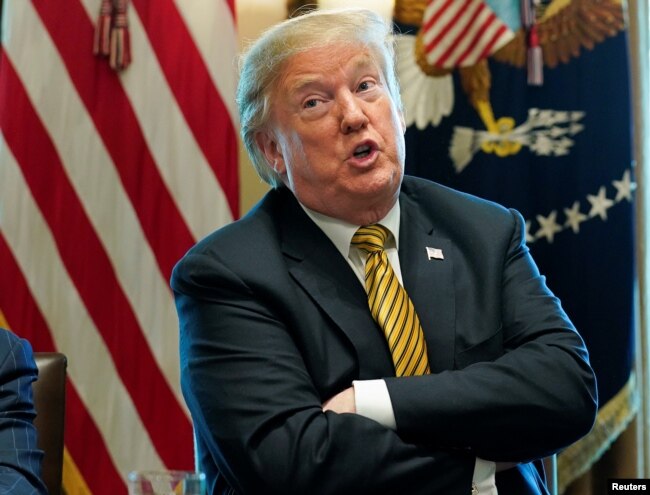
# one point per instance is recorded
(248, 378)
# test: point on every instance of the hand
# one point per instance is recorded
(343, 402)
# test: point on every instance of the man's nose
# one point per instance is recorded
(353, 116)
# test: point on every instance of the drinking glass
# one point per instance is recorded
(166, 483)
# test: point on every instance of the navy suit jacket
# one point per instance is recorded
(273, 322)
(20, 458)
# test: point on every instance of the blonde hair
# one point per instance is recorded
(261, 65)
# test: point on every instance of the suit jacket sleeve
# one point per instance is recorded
(521, 387)
(255, 406)
(20, 459)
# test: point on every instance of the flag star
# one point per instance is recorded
(574, 217)
(624, 187)
(549, 226)
(599, 204)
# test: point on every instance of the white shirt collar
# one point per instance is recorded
(340, 232)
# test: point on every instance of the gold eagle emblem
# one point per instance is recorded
(563, 29)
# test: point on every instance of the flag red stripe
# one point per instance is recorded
(94, 463)
(451, 23)
(105, 99)
(428, 24)
(18, 305)
(198, 98)
(480, 7)
(488, 48)
(95, 280)
(231, 6)
(489, 20)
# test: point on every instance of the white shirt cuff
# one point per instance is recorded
(373, 402)
(483, 479)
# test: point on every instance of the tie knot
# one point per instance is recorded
(370, 238)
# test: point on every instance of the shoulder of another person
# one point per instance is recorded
(12, 344)
(8, 336)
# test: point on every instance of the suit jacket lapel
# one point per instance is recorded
(429, 282)
(318, 267)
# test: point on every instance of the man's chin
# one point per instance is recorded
(383, 185)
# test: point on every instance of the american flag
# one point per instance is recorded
(459, 33)
(106, 179)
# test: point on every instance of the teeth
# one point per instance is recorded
(362, 151)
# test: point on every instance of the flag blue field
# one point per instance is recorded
(560, 153)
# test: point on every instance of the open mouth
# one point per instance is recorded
(362, 151)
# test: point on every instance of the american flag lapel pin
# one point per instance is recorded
(435, 254)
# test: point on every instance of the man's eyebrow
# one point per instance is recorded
(303, 83)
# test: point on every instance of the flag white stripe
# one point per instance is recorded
(460, 47)
(457, 27)
(213, 31)
(97, 184)
(475, 54)
(440, 25)
(181, 163)
(90, 364)
(433, 8)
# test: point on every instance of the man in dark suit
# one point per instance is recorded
(294, 379)
(20, 458)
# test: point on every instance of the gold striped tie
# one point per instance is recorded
(391, 306)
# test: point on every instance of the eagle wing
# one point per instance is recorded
(564, 28)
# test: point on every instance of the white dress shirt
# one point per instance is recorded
(371, 396)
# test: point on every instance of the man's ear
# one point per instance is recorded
(270, 148)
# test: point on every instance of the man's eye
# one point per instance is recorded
(365, 85)
(311, 103)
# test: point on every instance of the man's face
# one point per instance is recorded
(335, 136)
